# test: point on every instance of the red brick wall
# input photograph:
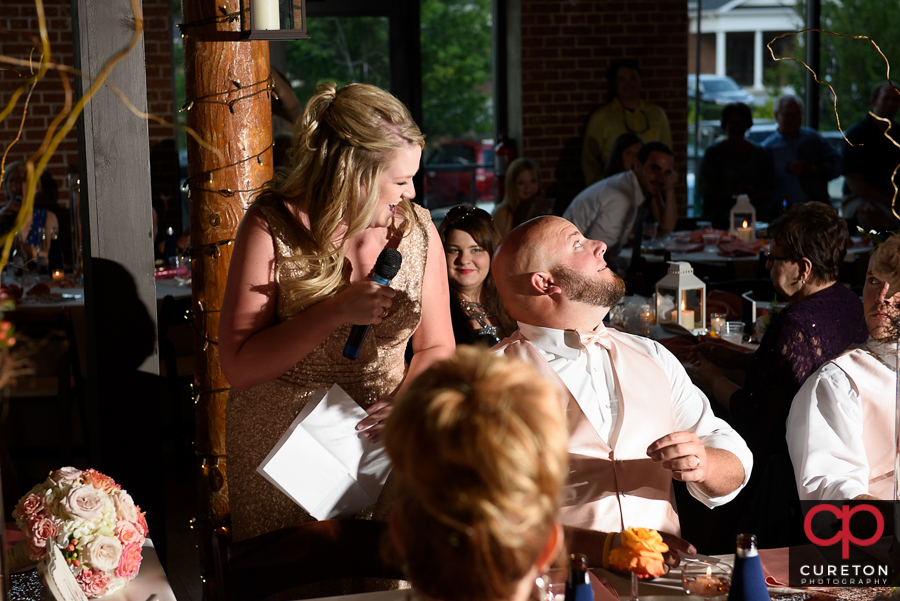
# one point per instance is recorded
(18, 24)
(566, 48)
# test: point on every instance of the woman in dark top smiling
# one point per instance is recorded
(476, 312)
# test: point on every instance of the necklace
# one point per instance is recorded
(479, 314)
(634, 118)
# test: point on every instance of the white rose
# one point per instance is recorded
(103, 552)
(84, 502)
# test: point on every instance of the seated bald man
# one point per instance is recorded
(635, 419)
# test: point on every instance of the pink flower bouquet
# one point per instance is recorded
(94, 522)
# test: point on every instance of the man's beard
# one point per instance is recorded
(597, 292)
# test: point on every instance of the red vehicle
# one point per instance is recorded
(457, 168)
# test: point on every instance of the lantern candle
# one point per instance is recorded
(265, 14)
(57, 275)
(687, 318)
(745, 233)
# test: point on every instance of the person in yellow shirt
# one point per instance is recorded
(625, 112)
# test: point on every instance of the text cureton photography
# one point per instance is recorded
(847, 544)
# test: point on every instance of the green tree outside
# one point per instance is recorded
(456, 63)
(342, 50)
(456, 68)
(851, 66)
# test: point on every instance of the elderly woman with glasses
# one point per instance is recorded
(822, 318)
(476, 312)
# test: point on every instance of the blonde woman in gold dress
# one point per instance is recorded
(300, 276)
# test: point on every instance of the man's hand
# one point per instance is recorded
(676, 544)
(683, 454)
(717, 471)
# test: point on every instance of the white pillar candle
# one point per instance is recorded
(687, 319)
(265, 14)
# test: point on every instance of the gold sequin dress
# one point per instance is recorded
(256, 418)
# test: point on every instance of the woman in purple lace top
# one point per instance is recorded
(807, 248)
(806, 251)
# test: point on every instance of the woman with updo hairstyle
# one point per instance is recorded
(480, 448)
(523, 199)
(476, 311)
(301, 276)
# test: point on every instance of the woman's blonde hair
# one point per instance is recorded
(512, 174)
(342, 144)
(480, 446)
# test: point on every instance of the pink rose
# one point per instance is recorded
(32, 505)
(84, 502)
(125, 509)
(93, 582)
(101, 481)
(142, 521)
(130, 561)
(41, 530)
(65, 475)
(103, 552)
(129, 533)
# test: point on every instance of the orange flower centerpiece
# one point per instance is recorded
(640, 553)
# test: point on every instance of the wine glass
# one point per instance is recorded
(705, 579)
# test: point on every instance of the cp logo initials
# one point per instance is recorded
(844, 536)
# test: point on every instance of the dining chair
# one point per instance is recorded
(298, 556)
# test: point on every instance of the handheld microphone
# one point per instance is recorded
(386, 267)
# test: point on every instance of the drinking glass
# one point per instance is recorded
(711, 243)
(733, 331)
(705, 579)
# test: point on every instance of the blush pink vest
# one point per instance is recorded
(875, 384)
(610, 489)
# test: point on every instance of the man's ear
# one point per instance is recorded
(542, 283)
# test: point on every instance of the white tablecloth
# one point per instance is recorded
(151, 580)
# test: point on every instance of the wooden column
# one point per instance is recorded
(226, 88)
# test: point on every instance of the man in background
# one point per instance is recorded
(611, 209)
(803, 161)
(870, 160)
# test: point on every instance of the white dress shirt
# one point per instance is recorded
(607, 209)
(587, 373)
(825, 431)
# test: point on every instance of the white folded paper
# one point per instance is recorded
(322, 464)
(58, 577)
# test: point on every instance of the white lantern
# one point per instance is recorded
(681, 297)
(743, 219)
